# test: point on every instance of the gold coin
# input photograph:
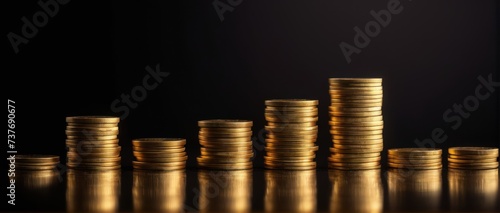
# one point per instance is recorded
(287, 145)
(170, 168)
(166, 159)
(218, 160)
(356, 124)
(245, 154)
(226, 135)
(354, 109)
(357, 137)
(354, 168)
(358, 142)
(353, 151)
(353, 155)
(290, 128)
(92, 167)
(293, 125)
(91, 125)
(225, 123)
(473, 151)
(91, 137)
(159, 142)
(271, 149)
(291, 119)
(291, 102)
(357, 98)
(291, 158)
(290, 137)
(95, 150)
(92, 129)
(92, 142)
(485, 156)
(374, 146)
(223, 140)
(357, 132)
(28, 159)
(356, 119)
(353, 160)
(352, 91)
(89, 146)
(227, 144)
(486, 160)
(284, 116)
(287, 109)
(93, 119)
(355, 165)
(293, 133)
(243, 165)
(421, 166)
(99, 160)
(90, 154)
(289, 153)
(473, 164)
(493, 165)
(355, 84)
(290, 167)
(355, 114)
(412, 161)
(356, 88)
(90, 133)
(414, 151)
(158, 154)
(159, 149)
(280, 163)
(36, 167)
(82, 164)
(225, 130)
(347, 104)
(354, 80)
(291, 140)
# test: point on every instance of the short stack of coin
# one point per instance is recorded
(92, 142)
(473, 157)
(36, 162)
(225, 144)
(291, 134)
(414, 158)
(356, 123)
(159, 153)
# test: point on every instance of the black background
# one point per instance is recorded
(91, 52)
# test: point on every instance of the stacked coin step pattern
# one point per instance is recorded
(356, 123)
(415, 158)
(92, 142)
(291, 134)
(159, 154)
(36, 162)
(472, 157)
(225, 144)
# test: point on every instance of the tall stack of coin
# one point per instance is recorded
(225, 144)
(356, 123)
(36, 162)
(415, 158)
(159, 153)
(291, 134)
(472, 157)
(92, 142)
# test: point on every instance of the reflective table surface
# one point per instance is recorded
(259, 190)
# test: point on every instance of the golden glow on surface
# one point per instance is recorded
(473, 189)
(290, 191)
(92, 191)
(158, 191)
(37, 179)
(356, 191)
(422, 187)
(225, 191)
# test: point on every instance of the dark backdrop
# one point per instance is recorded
(430, 56)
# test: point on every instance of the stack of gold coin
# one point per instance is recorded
(291, 134)
(473, 157)
(159, 153)
(36, 162)
(92, 142)
(225, 144)
(415, 158)
(356, 123)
